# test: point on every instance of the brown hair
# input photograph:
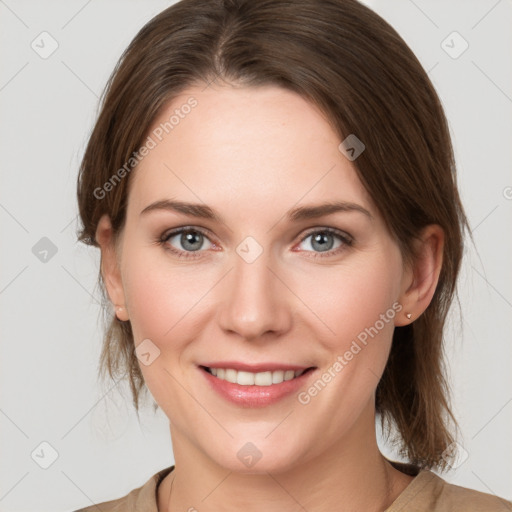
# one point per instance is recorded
(354, 66)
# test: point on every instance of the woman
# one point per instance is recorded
(272, 188)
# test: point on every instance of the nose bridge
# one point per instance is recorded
(256, 300)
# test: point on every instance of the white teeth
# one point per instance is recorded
(259, 379)
(277, 376)
(244, 378)
(263, 379)
(230, 375)
(289, 374)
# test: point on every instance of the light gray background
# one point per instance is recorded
(51, 327)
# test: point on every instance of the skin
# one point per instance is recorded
(252, 154)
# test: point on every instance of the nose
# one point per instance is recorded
(257, 304)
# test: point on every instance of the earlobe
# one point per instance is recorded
(420, 281)
(110, 267)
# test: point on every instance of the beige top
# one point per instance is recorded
(426, 493)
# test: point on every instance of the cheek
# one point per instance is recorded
(167, 305)
(359, 305)
(161, 304)
(348, 300)
(160, 297)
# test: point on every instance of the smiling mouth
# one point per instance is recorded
(243, 378)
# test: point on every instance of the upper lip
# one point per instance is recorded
(254, 368)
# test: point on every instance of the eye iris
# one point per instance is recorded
(320, 238)
(189, 237)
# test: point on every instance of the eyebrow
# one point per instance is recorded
(296, 214)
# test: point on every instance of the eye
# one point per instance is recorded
(323, 240)
(188, 240)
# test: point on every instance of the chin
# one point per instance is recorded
(255, 458)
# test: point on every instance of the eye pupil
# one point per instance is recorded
(320, 238)
(189, 237)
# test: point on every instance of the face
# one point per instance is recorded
(256, 286)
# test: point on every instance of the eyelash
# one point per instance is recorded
(344, 237)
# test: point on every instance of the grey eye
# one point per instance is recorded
(323, 241)
(190, 240)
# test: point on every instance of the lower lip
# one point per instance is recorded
(255, 396)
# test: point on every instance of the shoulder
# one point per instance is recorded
(141, 499)
(454, 497)
(429, 492)
(124, 504)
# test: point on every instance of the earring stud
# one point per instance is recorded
(118, 310)
(409, 315)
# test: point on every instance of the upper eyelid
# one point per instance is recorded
(176, 231)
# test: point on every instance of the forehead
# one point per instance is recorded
(251, 146)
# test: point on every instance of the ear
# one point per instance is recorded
(110, 268)
(421, 277)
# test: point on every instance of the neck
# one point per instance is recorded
(351, 475)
